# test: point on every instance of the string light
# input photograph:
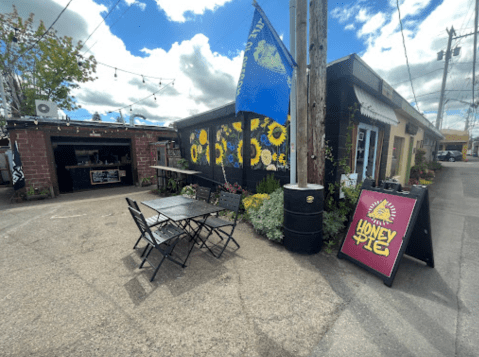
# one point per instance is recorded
(115, 73)
(143, 78)
(160, 82)
(131, 109)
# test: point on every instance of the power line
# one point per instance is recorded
(405, 53)
(425, 74)
(109, 12)
(54, 22)
(151, 95)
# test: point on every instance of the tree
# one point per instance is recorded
(96, 117)
(40, 66)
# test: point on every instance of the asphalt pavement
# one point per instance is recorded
(70, 286)
(427, 312)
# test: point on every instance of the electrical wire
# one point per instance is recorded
(41, 37)
(405, 54)
(109, 12)
(136, 74)
(425, 74)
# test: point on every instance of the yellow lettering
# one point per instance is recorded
(391, 235)
(360, 237)
(368, 246)
(381, 235)
(375, 231)
(378, 245)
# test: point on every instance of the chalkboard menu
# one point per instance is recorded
(98, 177)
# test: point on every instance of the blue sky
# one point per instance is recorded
(199, 43)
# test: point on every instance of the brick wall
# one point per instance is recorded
(33, 152)
(36, 152)
(144, 155)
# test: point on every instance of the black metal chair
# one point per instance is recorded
(164, 240)
(151, 221)
(203, 193)
(229, 201)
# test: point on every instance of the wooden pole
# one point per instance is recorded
(318, 41)
(302, 92)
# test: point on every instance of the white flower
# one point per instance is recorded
(271, 167)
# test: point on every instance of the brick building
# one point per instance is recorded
(69, 156)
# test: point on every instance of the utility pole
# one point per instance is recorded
(292, 126)
(444, 77)
(302, 92)
(318, 44)
(473, 62)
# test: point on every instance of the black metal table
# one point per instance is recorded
(181, 210)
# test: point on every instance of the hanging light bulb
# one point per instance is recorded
(115, 73)
(143, 78)
(160, 82)
(154, 96)
(131, 109)
(173, 84)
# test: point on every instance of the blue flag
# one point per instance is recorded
(264, 85)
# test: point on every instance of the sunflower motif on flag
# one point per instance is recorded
(267, 56)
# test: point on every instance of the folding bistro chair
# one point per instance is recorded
(203, 194)
(151, 221)
(164, 240)
(229, 201)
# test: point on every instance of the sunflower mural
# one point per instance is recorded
(229, 145)
(199, 147)
(269, 144)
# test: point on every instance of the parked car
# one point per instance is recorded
(450, 155)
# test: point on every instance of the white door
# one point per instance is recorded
(366, 148)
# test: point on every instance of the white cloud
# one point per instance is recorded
(372, 24)
(204, 80)
(176, 9)
(362, 15)
(140, 4)
(350, 27)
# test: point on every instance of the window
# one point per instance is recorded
(397, 154)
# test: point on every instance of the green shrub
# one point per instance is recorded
(268, 219)
(434, 165)
(268, 185)
(333, 223)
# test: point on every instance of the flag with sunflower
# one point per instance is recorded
(269, 144)
(199, 147)
(229, 145)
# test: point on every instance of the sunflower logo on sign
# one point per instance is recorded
(382, 212)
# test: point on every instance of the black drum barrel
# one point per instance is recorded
(303, 218)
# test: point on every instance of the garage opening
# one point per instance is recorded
(90, 163)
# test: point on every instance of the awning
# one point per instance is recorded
(374, 108)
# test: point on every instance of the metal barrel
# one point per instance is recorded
(303, 218)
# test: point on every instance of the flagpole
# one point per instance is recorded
(292, 124)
